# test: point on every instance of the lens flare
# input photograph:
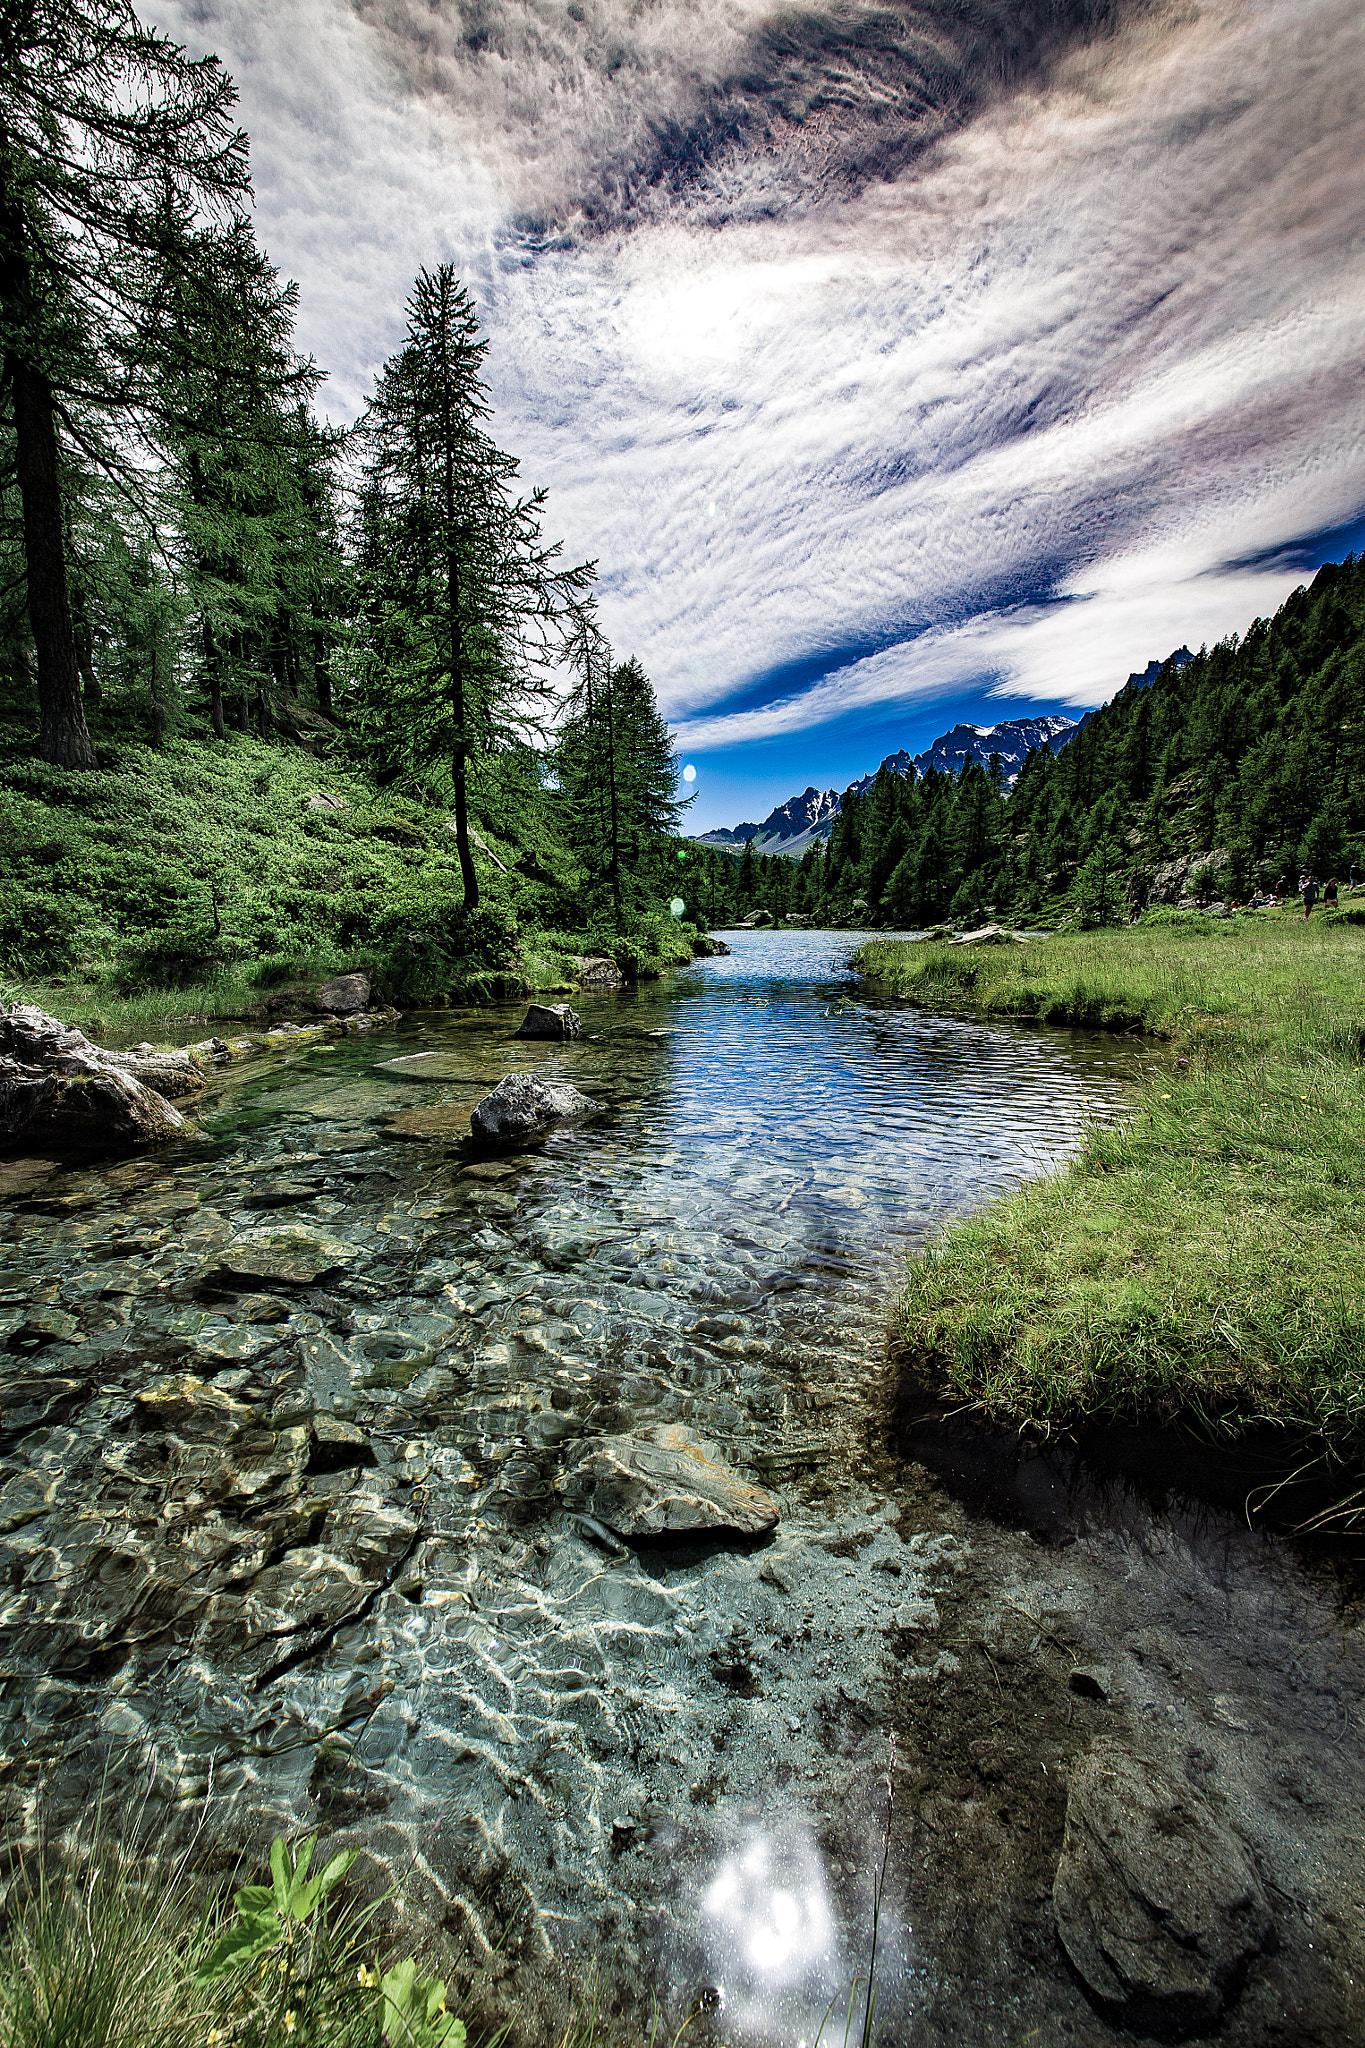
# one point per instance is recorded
(689, 773)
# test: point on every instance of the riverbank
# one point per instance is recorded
(192, 883)
(1199, 1263)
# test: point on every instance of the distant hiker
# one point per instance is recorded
(1329, 896)
(1282, 888)
(1308, 889)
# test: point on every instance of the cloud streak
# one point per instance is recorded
(992, 348)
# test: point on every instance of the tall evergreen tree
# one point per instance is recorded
(113, 144)
(464, 606)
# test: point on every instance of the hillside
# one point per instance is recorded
(791, 827)
(198, 877)
(1224, 772)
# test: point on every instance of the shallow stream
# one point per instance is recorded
(289, 1423)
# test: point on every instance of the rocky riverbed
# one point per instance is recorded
(298, 1526)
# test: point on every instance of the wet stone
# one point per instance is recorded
(289, 1252)
(664, 1480)
(1157, 1903)
(524, 1106)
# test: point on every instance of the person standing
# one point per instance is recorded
(1329, 895)
(1308, 889)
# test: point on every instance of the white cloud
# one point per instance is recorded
(1106, 339)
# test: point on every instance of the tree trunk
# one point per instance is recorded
(62, 735)
(215, 675)
(158, 703)
(322, 675)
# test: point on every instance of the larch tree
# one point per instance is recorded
(114, 147)
(464, 609)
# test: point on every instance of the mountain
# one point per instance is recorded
(1012, 740)
(790, 828)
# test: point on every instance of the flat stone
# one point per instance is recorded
(550, 1020)
(665, 1479)
(190, 1407)
(280, 1251)
(1157, 1904)
(524, 1106)
(279, 1194)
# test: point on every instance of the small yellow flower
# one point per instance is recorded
(368, 1980)
(216, 2035)
(290, 2022)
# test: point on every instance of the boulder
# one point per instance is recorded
(550, 1020)
(1157, 1904)
(665, 1479)
(57, 1088)
(344, 995)
(524, 1106)
(598, 971)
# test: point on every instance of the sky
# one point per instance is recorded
(899, 362)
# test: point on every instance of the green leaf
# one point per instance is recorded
(338, 1868)
(304, 1897)
(304, 1858)
(279, 1870)
(255, 1898)
(239, 1946)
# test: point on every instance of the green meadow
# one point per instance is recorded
(1200, 1262)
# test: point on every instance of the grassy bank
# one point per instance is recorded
(195, 881)
(1203, 1262)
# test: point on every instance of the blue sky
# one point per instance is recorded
(891, 381)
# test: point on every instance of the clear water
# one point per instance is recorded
(629, 1759)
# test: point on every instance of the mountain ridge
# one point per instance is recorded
(791, 827)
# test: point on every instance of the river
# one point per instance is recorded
(289, 1415)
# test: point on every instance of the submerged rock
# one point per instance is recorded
(1157, 1905)
(524, 1106)
(280, 1251)
(550, 1020)
(664, 1479)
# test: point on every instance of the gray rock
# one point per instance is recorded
(598, 971)
(664, 1479)
(524, 1106)
(1157, 1905)
(345, 995)
(550, 1020)
(988, 935)
(58, 1088)
(280, 1251)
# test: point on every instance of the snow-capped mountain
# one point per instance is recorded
(791, 827)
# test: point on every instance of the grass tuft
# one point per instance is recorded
(1203, 1262)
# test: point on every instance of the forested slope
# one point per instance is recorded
(274, 695)
(1236, 770)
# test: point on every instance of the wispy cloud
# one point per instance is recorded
(824, 336)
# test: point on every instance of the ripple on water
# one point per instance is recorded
(420, 1646)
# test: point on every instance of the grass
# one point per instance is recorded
(1202, 1263)
(191, 881)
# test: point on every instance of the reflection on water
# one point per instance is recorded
(295, 1520)
(769, 1930)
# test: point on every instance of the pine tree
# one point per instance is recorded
(464, 610)
(112, 144)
